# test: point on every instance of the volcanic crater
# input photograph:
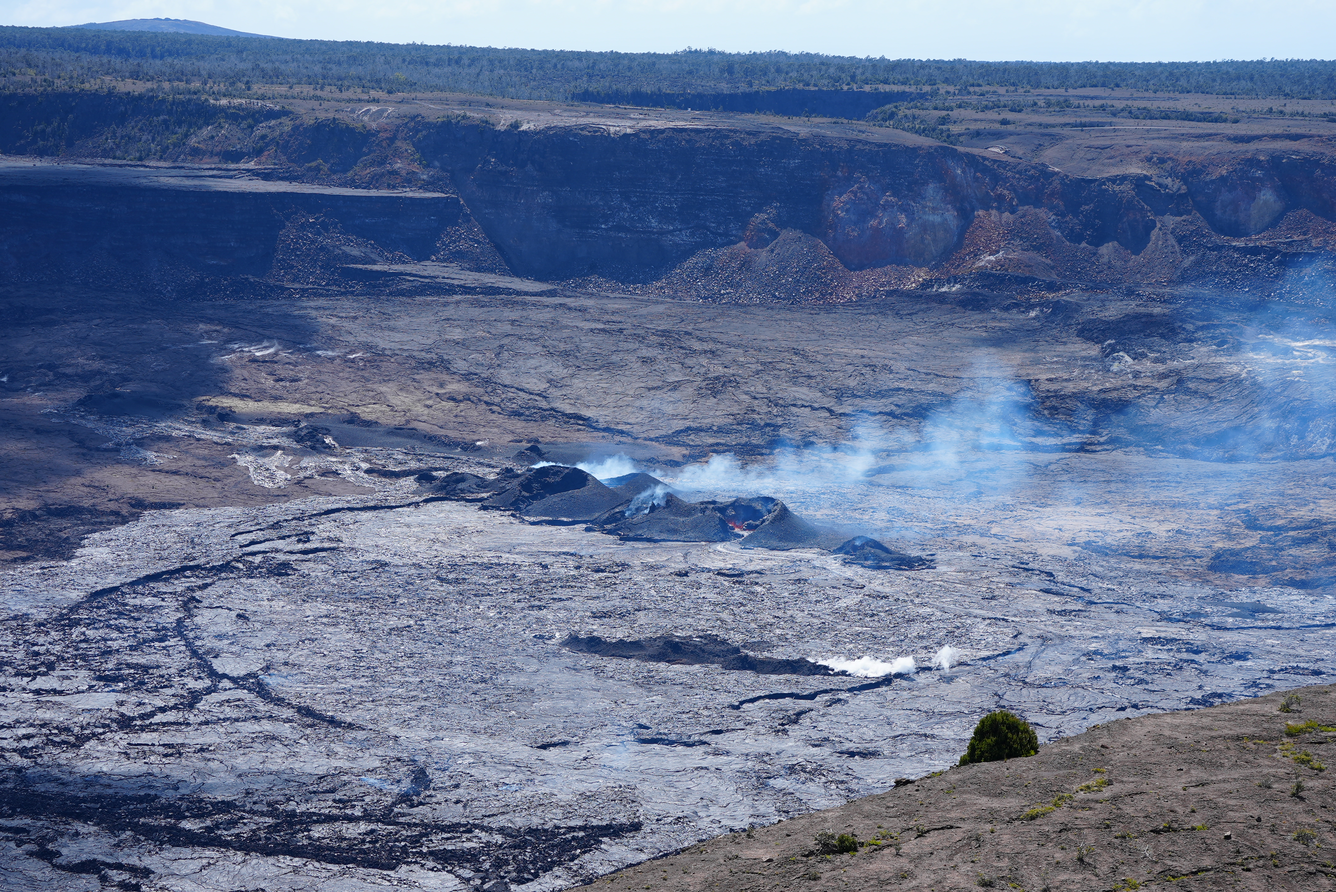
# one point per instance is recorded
(537, 520)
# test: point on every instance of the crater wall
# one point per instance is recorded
(633, 201)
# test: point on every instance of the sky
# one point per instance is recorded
(1043, 30)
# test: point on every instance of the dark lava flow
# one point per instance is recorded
(703, 650)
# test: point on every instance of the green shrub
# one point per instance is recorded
(1000, 735)
(1094, 786)
(1293, 730)
(1306, 759)
(828, 843)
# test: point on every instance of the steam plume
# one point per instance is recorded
(811, 467)
(609, 468)
(653, 497)
(871, 667)
(613, 466)
(947, 656)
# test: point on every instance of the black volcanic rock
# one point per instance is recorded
(757, 522)
(745, 515)
(868, 552)
(674, 520)
(556, 494)
(637, 507)
(531, 454)
(695, 651)
(634, 484)
(468, 487)
(782, 530)
(315, 437)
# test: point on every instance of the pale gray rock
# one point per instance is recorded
(360, 692)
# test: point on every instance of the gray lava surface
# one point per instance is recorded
(346, 692)
(250, 640)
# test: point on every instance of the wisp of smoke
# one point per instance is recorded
(618, 465)
(812, 467)
(946, 657)
(996, 414)
(654, 497)
(609, 468)
(871, 667)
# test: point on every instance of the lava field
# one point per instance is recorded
(347, 557)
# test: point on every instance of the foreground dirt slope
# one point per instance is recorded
(1219, 798)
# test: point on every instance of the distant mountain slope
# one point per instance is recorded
(166, 26)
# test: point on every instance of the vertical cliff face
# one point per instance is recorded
(875, 222)
(1251, 194)
(639, 203)
(565, 202)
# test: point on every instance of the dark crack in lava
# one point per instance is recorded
(497, 856)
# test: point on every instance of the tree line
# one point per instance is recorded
(75, 58)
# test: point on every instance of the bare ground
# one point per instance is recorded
(1219, 798)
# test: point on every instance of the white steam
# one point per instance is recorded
(810, 467)
(871, 667)
(618, 465)
(995, 413)
(654, 497)
(946, 658)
